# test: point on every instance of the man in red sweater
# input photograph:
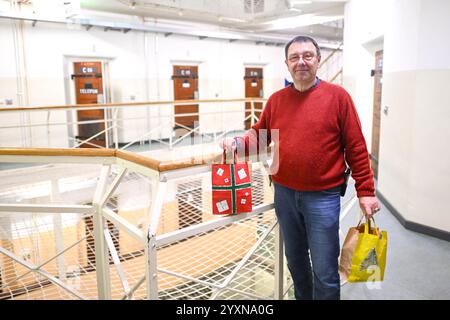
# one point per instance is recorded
(318, 132)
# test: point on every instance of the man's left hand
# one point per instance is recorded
(369, 205)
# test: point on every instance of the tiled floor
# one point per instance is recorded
(418, 266)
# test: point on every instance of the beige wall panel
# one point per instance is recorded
(430, 170)
(396, 138)
(414, 159)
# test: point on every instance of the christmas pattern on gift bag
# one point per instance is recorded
(231, 189)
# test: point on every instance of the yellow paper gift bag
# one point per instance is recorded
(369, 257)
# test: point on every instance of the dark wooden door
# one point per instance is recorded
(378, 76)
(185, 87)
(88, 85)
(253, 89)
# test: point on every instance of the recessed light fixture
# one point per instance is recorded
(296, 10)
(299, 21)
(294, 2)
(231, 19)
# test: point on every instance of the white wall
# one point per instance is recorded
(414, 175)
(363, 36)
(418, 71)
(8, 81)
(140, 69)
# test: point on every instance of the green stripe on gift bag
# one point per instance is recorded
(233, 188)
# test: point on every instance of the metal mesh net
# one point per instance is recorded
(198, 267)
(52, 256)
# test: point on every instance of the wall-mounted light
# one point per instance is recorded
(254, 83)
(186, 84)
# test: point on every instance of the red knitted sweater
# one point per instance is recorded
(318, 130)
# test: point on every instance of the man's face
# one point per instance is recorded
(302, 62)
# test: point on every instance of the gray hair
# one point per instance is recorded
(302, 39)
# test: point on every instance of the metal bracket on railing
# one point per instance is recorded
(152, 268)
(117, 264)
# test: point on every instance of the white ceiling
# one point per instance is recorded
(322, 19)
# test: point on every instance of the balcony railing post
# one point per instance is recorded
(151, 268)
(101, 250)
(58, 230)
(158, 193)
(115, 131)
(279, 253)
(252, 113)
(106, 122)
(279, 264)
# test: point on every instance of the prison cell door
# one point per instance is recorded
(89, 88)
(378, 76)
(253, 89)
(185, 87)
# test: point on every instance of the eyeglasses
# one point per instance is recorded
(308, 56)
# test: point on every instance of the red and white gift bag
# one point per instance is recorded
(231, 188)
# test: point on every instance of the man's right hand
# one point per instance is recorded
(228, 144)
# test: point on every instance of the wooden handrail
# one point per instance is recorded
(138, 159)
(81, 152)
(148, 162)
(125, 104)
(190, 162)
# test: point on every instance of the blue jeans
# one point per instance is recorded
(310, 221)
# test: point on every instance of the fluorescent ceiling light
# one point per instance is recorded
(299, 21)
(294, 2)
(231, 19)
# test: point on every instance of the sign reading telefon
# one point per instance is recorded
(88, 91)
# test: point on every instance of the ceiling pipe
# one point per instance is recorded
(157, 27)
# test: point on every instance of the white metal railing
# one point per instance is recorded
(53, 127)
(167, 260)
(330, 67)
(113, 280)
(127, 124)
